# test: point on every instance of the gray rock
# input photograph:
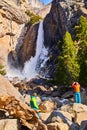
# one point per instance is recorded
(59, 116)
(9, 124)
(83, 125)
(74, 127)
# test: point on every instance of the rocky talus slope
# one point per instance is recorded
(56, 112)
(13, 106)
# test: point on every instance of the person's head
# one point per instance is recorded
(34, 94)
(74, 83)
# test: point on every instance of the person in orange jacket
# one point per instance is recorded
(76, 87)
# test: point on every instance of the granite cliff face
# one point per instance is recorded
(39, 8)
(44, 11)
(12, 20)
(36, 4)
(63, 16)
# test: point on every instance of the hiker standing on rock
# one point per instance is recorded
(34, 104)
(76, 87)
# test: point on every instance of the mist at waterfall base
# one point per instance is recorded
(30, 68)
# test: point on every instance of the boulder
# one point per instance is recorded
(52, 126)
(40, 90)
(83, 125)
(67, 94)
(80, 113)
(9, 124)
(57, 101)
(79, 117)
(74, 127)
(45, 116)
(60, 116)
(7, 89)
(46, 106)
(63, 126)
(57, 126)
(84, 98)
(66, 108)
(79, 107)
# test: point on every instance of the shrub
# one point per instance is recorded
(30, 14)
(33, 18)
(2, 71)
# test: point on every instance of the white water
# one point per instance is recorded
(30, 66)
(29, 70)
(41, 66)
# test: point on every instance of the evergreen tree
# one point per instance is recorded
(68, 68)
(81, 36)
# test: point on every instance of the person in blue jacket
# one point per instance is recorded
(34, 103)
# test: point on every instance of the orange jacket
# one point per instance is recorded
(76, 87)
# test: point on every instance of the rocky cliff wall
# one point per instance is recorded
(12, 20)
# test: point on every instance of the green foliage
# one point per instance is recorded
(30, 14)
(68, 46)
(81, 36)
(68, 68)
(2, 71)
(33, 18)
(81, 29)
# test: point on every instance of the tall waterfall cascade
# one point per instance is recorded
(31, 69)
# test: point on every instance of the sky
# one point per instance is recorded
(46, 1)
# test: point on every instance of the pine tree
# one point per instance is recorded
(81, 36)
(68, 68)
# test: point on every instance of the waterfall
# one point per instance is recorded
(31, 69)
(30, 66)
